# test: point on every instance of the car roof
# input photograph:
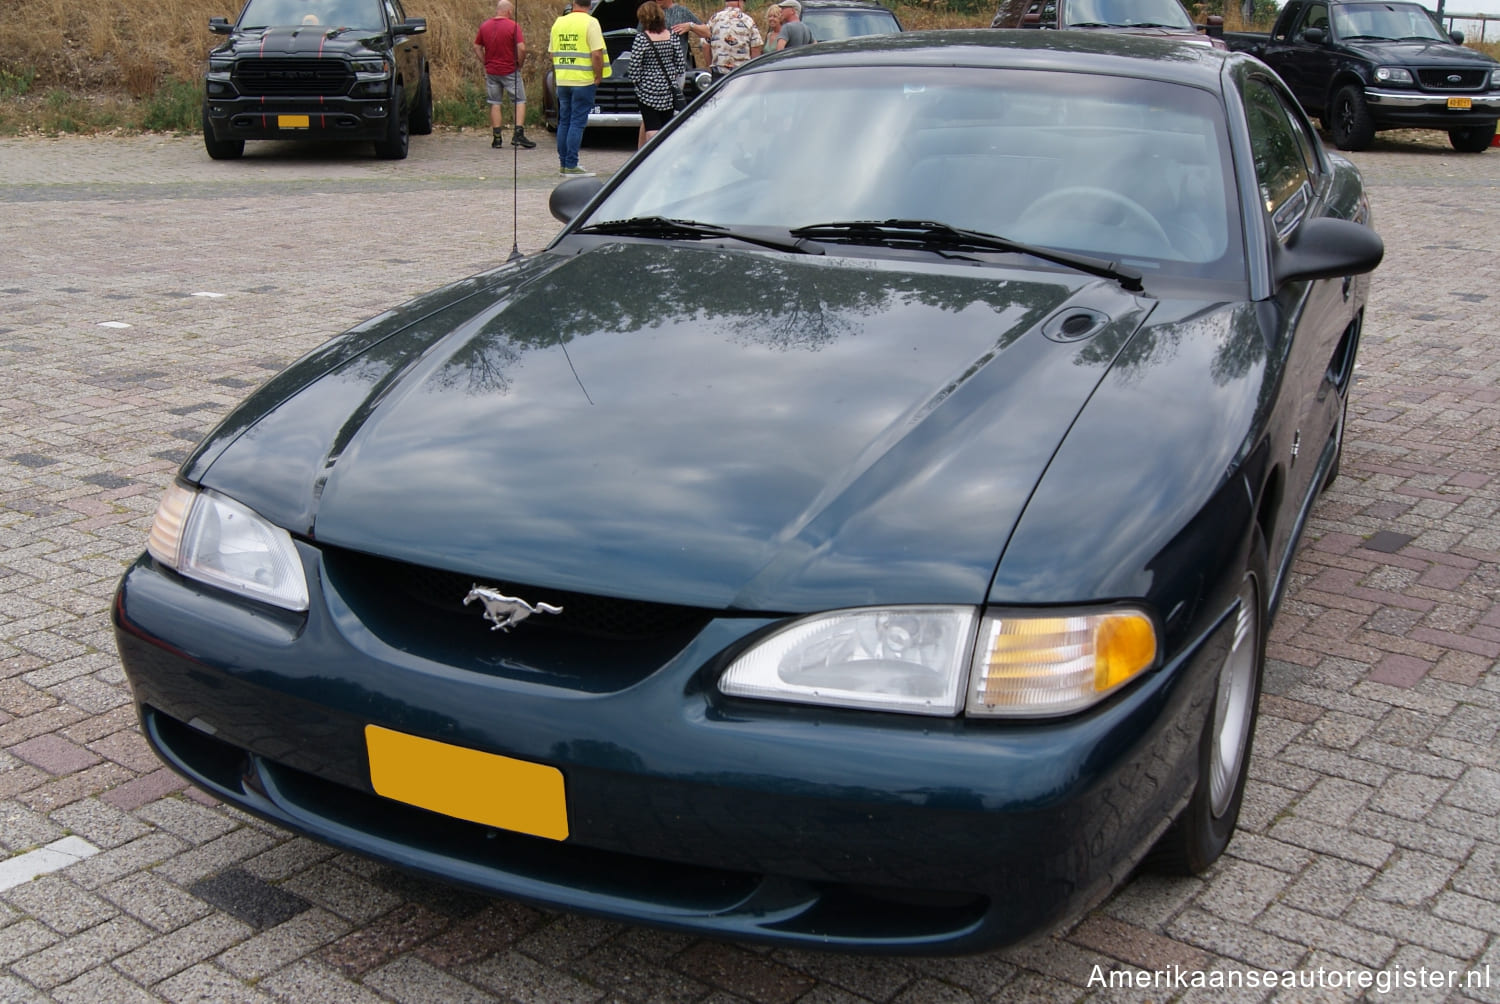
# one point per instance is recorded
(1105, 53)
(844, 5)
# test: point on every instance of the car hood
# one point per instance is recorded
(686, 424)
(1434, 53)
(302, 39)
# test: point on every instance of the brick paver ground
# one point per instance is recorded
(1370, 841)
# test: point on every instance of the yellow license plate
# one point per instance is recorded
(1460, 104)
(467, 784)
(292, 122)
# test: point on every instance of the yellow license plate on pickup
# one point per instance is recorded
(1460, 104)
(467, 784)
(292, 122)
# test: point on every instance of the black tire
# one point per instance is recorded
(397, 132)
(1349, 119)
(1472, 139)
(421, 115)
(1338, 448)
(220, 149)
(1201, 832)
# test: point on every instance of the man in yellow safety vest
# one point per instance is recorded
(579, 63)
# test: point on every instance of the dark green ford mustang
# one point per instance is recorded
(859, 528)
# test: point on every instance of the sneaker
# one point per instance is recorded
(575, 172)
(518, 138)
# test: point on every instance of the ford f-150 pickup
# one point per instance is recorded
(1362, 66)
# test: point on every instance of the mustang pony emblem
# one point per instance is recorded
(505, 612)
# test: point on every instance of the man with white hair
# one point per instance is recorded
(793, 31)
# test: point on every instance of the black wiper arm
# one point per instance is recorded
(662, 228)
(932, 235)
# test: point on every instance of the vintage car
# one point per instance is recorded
(878, 560)
(615, 104)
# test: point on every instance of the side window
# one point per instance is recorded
(1287, 18)
(1317, 17)
(1285, 163)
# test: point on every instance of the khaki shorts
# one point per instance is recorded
(495, 88)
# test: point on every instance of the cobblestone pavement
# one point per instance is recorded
(1370, 841)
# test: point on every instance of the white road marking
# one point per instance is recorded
(59, 854)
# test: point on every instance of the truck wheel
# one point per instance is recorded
(1350, 121)
(421, 114)
(1472, 139)
(220, 149)
(397, 132)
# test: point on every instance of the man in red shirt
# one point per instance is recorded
(501, 47)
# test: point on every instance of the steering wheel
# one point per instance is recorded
(1073, 199)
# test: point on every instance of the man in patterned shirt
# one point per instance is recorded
(733, 38)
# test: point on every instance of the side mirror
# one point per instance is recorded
(1325, 248)
(219, 25)
(569, 198)
(1314, 36)
(412, 26)
(1457, 36)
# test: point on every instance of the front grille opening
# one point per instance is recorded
(597, 644)
(1438, 79)
(323, 77)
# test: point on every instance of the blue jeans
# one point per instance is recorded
(573, 107)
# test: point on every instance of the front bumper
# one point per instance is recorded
(293, 118)
(1411, 109)
(746, 820)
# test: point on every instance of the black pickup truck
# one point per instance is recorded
(317, 69)
(1362, 66)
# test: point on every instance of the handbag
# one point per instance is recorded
(679, 100)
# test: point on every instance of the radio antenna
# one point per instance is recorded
(515, 157)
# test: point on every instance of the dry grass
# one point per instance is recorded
(103, 59)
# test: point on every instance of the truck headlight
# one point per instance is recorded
(925, 660)
(212, 538)
(1398, 76)
(371, 66)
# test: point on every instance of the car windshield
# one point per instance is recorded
(1127, 13)
(1384, 20)
(329, 13)
(831, 25)
(1123, 168)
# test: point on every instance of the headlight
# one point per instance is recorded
(911, 659)
(1031, 665)
(220, 65)
(925, 660)
(371, 66)
(1393, 75)
(1495, 80)
(212, 538)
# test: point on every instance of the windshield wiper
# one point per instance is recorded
(930, 235)
(661, 228)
